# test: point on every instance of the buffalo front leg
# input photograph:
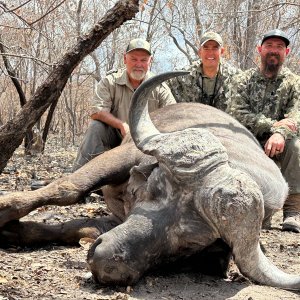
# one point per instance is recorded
(68, 233)
(111, 167)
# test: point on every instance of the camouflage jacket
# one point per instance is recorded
(190, 88)
(258, 102)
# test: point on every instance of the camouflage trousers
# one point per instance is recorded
(289, 163)
(99, 137)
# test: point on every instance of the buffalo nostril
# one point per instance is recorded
(108, 269)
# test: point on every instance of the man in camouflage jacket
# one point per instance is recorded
(266, 100)
(208, 78)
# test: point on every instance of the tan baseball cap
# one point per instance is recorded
(211, 36)
(138, 44)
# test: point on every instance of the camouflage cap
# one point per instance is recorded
(138, 44)
(211, 36)
(276, 33)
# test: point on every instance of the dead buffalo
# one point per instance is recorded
(195, 180)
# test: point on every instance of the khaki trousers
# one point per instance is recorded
(99, 137)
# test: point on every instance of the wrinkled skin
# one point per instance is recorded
(202, 186)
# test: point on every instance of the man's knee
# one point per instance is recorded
(92, 143)
(290, 165)
(96, 128)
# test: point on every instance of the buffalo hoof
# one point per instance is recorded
(10, 234)
(292, 222)
(37, 184)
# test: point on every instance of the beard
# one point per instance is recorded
(271, 64)
(137, 74)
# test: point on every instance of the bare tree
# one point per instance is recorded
(37, 32)
(13, 75)
(12, 133)
(241, 23)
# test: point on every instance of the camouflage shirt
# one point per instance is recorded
(258, 102)
(195, 87)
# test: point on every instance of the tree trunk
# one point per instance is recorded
(13, 76)
(13, 132)
(251, 32)
(48, 122)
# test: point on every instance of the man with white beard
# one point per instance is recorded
(111, 104)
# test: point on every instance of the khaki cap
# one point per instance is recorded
(138, 44)
(211, 36)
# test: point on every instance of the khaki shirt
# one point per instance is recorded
(114, 92)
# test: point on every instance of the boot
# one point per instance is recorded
(291, 213)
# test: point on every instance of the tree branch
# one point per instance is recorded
(47, 13)
(12, 74)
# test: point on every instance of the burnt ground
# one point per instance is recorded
(60, 272)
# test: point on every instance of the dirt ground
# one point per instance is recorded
(59, 272)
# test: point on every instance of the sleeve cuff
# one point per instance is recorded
(284, 131)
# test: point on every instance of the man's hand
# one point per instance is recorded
(274, 145)
(109, 119)
(124, 129)
(291, 124)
